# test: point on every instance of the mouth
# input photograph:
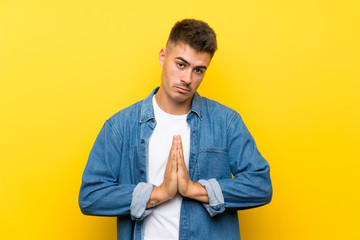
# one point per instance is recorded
(182, 89)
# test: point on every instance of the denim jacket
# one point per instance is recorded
(223, 158)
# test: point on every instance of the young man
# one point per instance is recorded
(164, 165)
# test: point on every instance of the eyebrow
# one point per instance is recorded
(183, 60)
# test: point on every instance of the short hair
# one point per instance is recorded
(197, 34)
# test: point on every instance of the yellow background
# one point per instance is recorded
(290, 68)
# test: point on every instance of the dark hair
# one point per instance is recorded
(197, 34)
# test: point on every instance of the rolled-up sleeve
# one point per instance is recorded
(140, 198)
(216, 198)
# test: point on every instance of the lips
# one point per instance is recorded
(182, 89)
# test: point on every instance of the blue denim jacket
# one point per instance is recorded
(114, 179)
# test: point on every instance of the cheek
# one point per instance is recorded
(197, 80)
(173, 73)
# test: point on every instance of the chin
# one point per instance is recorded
(179, 98)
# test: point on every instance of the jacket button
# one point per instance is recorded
(141, 171)
(142, 140)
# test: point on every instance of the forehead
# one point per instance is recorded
(185, 51)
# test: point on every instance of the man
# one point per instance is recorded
(164, 165)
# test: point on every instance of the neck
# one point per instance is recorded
(170, 106)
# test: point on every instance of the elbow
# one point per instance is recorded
(266, 188)
(267, 194)
(262, 193)
(87, 200)
(84, 206)
(85, 210)
(91, 204)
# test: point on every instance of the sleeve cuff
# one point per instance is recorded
(216, 198)
(140, 198)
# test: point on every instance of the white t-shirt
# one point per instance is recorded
(163, 222)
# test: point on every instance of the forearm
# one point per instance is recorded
(247, 190)
(197, 192)
(105, 199)
(157, 197)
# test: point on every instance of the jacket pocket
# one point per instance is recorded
(213, 163)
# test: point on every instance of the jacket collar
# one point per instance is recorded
(196, 105)
(147, 110)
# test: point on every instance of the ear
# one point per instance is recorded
(162, 56)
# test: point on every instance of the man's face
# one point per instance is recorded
(183, 70)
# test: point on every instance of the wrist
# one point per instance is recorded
(198, 192)
(191, 190)
(157, 196)
(162, 193)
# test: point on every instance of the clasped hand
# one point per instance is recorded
(176, 179)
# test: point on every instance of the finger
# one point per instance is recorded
(180, 161)
(177, 155)
(180, 150)
(172, 150)
(180, 143)
(173, 145)
(171, 168)
(177, 142)
(181, 157)
(172, 157)
(174, 161)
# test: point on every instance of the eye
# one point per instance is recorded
(180, 65)
(199, 70)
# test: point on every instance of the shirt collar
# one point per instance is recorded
(147, 109)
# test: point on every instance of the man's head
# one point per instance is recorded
(189, 50)
(197, 34)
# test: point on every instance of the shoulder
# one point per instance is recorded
(221, 122)
(213, 108)
(131, 111)
(134, 112)
(126, 117)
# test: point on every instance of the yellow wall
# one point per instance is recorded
(291, 68)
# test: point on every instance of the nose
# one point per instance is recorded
(186, 76)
